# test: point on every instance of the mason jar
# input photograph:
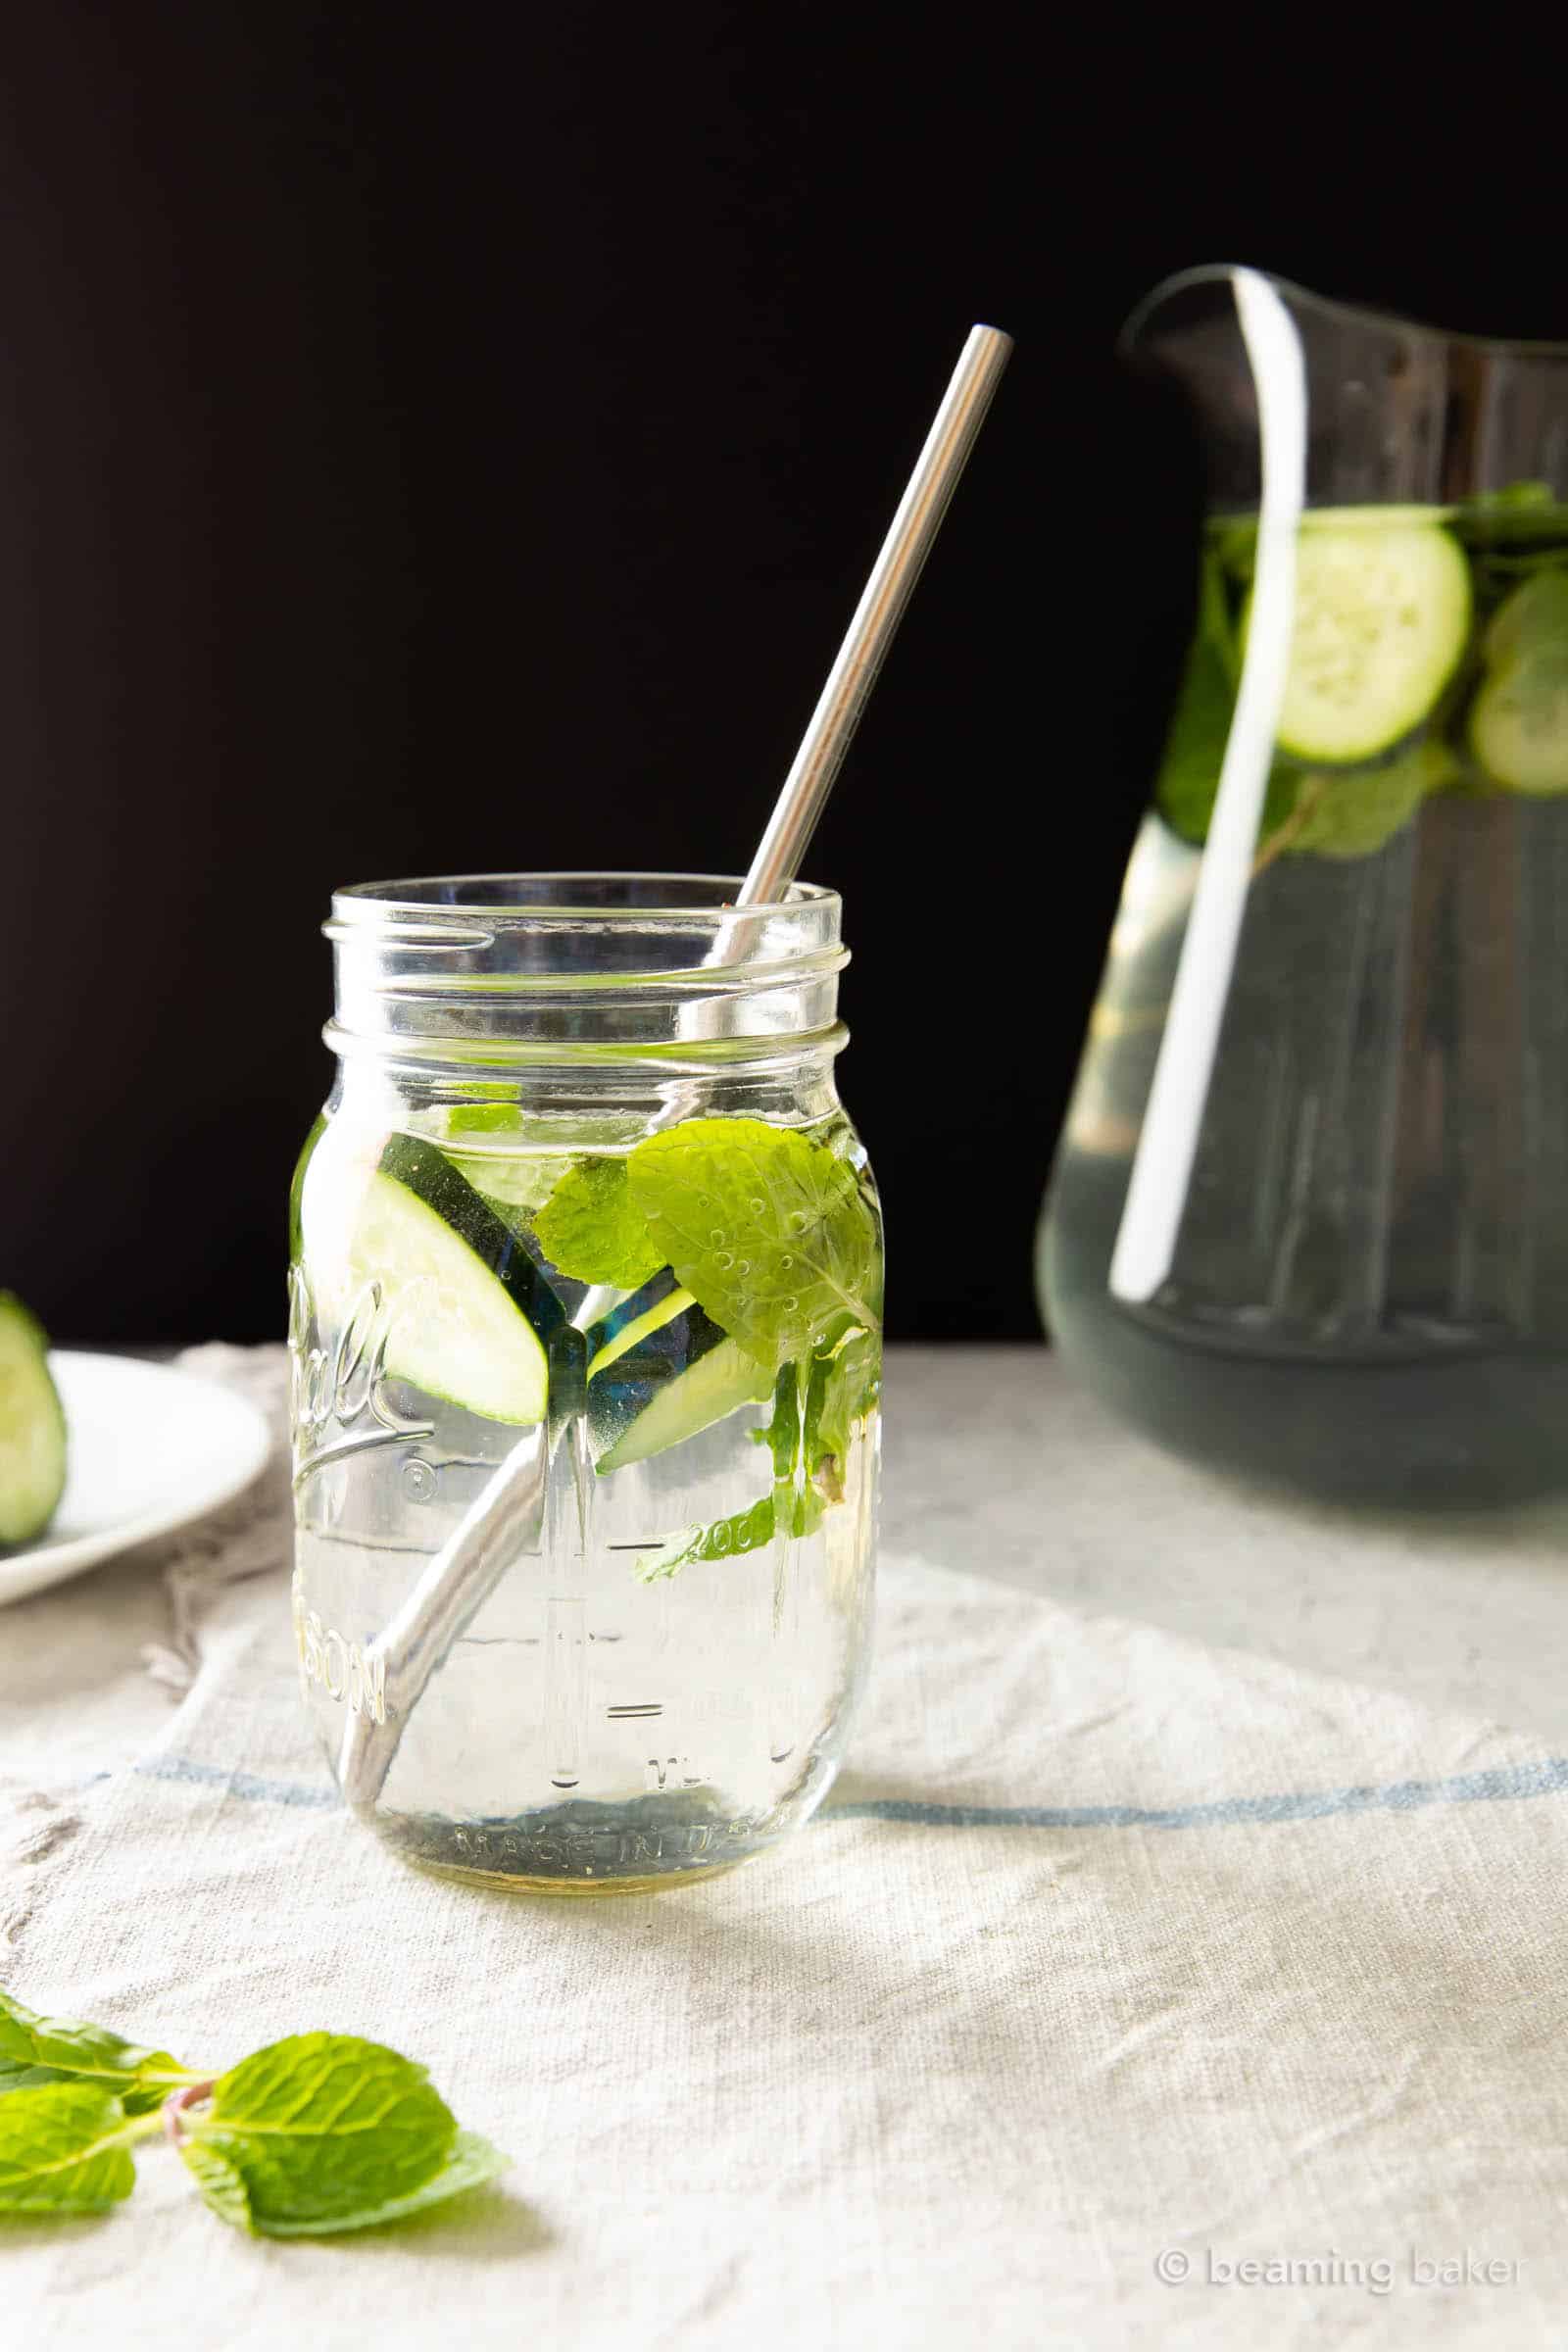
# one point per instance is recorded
(585, 1341)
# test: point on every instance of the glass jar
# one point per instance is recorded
(585, 1299)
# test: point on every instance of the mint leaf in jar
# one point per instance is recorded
(591, 1229)
(323, 2132)
(769, 1232)
(845, 1390)
(816, 1406)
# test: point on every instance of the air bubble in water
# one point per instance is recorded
(786, 1259)
(725, 1261)
(716, 1237)
(756, 1207)
(799, 1219)
(789, 1305)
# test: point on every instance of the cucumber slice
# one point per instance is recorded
(660, 1371)
(504, 1154)
(718, 1383)
(470, 1314)
(33, 1428)
(1381, 616)
(1519, 722)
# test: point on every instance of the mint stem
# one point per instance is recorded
(173, 2107)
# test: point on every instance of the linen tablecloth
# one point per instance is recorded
(1124, 1992)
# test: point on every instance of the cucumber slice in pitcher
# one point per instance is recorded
(1381, 616)
(32, 1427)
(470, 1314)
(1519, 720)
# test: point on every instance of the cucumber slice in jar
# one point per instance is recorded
(1382, 616)
(1519, 720)
(660, 1371)
(469, 1312)
(716, 1385)
(33, 1428)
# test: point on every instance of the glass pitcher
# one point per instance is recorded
(1308, 1219)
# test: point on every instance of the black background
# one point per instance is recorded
(455, 440)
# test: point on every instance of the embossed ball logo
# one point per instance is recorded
(340, 1395)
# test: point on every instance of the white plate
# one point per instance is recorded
(148, 1449)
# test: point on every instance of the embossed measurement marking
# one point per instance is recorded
(628, 1714)
(565, 1688)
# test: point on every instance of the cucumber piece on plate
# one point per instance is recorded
(32, 1427)
(1382, 616)
(1519, 720)
(470, 1317)
(680, 1374)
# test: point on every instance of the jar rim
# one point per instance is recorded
(567, 896)
(567, 967)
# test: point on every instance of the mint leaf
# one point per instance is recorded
(842, 1386)
(769, 1232)
(35, 2051)
(1188, 783)
(485, 1118)
(1352, 814)
(470, 2164)
(591, 1230)
(785, 1428)
(220, 2181)
(62, 2150)
(846, 1388)
(318, 2132)
(1513, 499)
(798, 1513)
(809, 1449)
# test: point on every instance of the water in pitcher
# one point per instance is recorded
(1369, 1291)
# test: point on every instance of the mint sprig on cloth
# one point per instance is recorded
(35, 2051)
(316, 2133)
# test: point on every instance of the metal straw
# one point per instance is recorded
(877, 615)
(508, 1515)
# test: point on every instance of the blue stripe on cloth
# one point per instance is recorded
(1547, 1778)
(243, 1785)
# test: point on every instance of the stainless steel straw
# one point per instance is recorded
(508, 1515)
(877, 615)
